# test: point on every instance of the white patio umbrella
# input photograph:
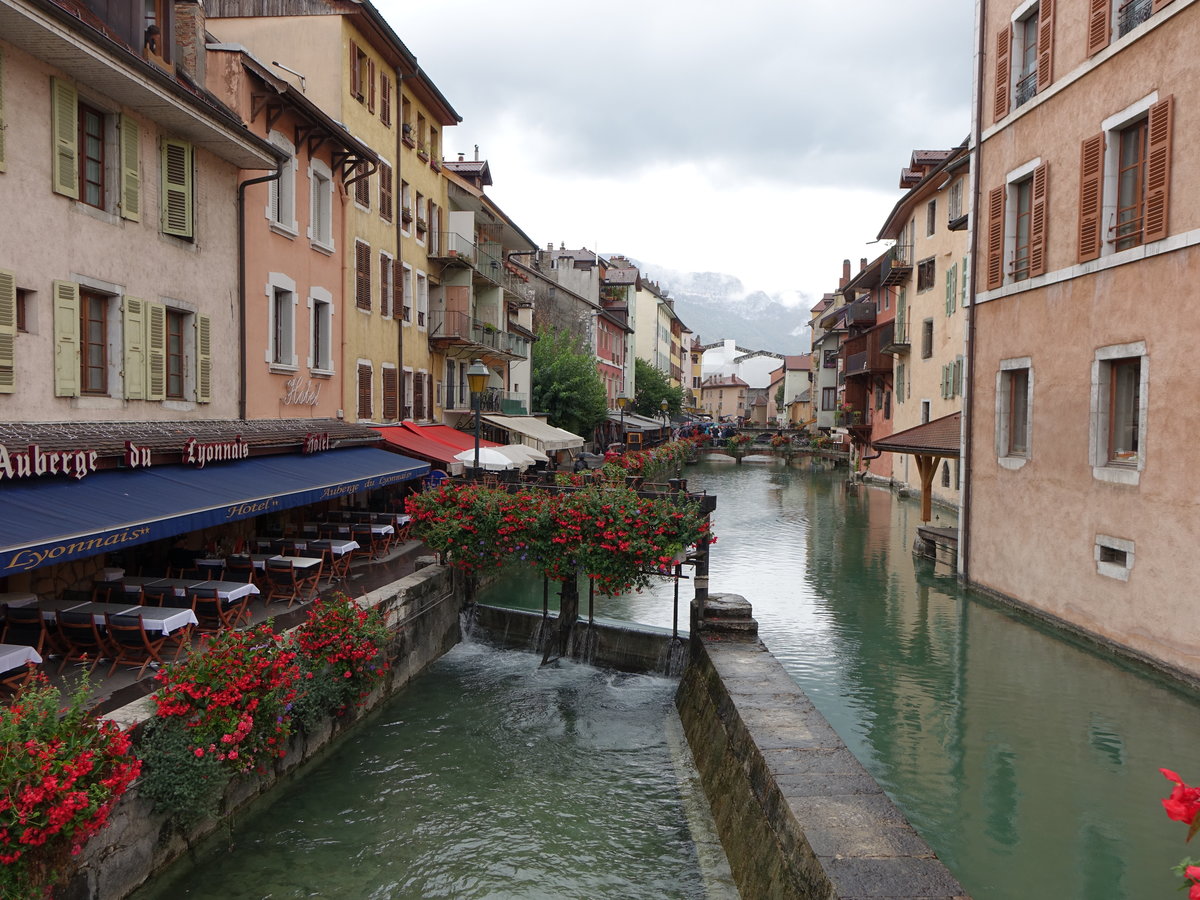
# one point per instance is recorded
(523, 454)
(490, 458)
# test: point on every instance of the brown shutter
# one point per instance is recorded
(385, 192)
(355, 74)
(364, 391)
(1045, 47)
(1037, 222)
(1091, 182)
(391, 395)
(397, 290)
(1158, 168)
(362, 275)
(385, 270)
(370, 85)
(1099, 25)
(428, 395)
(995, 238)
(385, 100)
(419, 395)
(1003, 96)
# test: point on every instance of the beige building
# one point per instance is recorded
(924, 277)
(118, 255)
(723, 396)
(1079, 461)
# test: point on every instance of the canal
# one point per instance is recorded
(1028, 762)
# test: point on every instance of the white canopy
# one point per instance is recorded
(524, 454)
(536, 432)
(490, 458)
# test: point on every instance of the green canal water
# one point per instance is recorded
(1028, 763)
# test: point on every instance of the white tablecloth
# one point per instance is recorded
(165, 619)
(301, 562)
(17, 598)
(13, 656)
(231, 590)
(338, 548)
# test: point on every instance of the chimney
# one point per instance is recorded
(189, 40)
(550, 246)
(862, 264)
(462, 157)
(845, 279)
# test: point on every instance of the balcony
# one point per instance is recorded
(1132, 14)
(899, 344)
(456, 398)
(453, 249)
(897, 264)
(449, 329)
(861, 314)
(1026, 89)
(864, 353)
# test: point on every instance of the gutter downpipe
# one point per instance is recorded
(398, 204)
(964, 527)
(243, 364)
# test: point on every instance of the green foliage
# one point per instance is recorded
(566, 385)
(653, 387)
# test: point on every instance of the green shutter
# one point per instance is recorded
(131, 177)
(1, 111)
(65, 116)
(133, 328)
(958, 377)
(66, 339)
(8, 331)
(966, 273)
(203, 359)
(156, 351)
(177, 188)
(901, 317)
(899, 382)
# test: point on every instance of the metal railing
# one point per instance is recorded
(1132, 14)
(452, 245)
(451, 324)
(1026, 88)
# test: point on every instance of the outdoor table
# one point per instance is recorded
(301, 562)
(338, 548)
(259, 560)
(181, 585)
(13, 656)
(17, 598)
(376, 528)
(210, 564)
(140, 581)
(99, 610)
(230, 590)
(165, 619)
(51, 605)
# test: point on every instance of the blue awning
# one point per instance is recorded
(51, 522)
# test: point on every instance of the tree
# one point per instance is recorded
(566, 385)
(652, 389)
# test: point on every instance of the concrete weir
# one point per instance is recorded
(797, 814)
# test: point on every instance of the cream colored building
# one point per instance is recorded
(723, 396)
(1081, 442)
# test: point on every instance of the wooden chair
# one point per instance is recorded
(368, 541)
(25, 625)
(132, 645)
(240, 568)
(158, 595)
(338, 566)
(109, 592)
(285, 581)
(212, 571)
(14, 679)
(213, 614)
(81, 638)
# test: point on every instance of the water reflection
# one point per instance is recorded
(1028, 762)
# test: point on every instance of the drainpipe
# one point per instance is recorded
(398, 211)
(964, 519)
(241, 217)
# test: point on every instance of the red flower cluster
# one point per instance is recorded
(1184, 806)
(342, 640)
(60, 776)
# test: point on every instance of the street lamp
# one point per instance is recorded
(477, 376)
(622, 402)
(665, 407)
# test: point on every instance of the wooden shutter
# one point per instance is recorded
(951, 288)
(428, 395)
(1091, 183)
(385, 271)
(1038, 220)
(899, 382)
(397, 289)
(1, 111)
(419, 395)
(1045, 47)
(156, 351)
(995, 238)
(133, 336)
(1099, 25)
(1158, 168)
(385, 100)
(131, 170)
(370, 85)
(66, 339)
(203, 359)
(177, 188)
(8, 332)
(65, 114)
(362, 275)
(364, 391)
(391, 395)
(1003, 95)
(355, 71)
(385, 192)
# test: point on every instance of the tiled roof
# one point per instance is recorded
(799, 363)
(941, 437)
(108, 438)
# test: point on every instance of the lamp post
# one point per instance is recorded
(477, 376)
(622, 402)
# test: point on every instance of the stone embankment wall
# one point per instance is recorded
(798, 815)
(423, 612)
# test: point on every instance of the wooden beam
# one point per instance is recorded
(927, 467)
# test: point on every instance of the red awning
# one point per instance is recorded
(418, 445)
(450, 437)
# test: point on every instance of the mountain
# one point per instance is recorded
(717, 306)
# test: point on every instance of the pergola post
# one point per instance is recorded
(927, 467)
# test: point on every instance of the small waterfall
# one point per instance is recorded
(466, 622)
(674, 658)
(538, 634)
(584, 640)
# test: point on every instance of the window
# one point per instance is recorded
(385, 191)
(1125, 179)
(362, 275)
(1016, 225)
(1013, 409)
(282, 295)
(435, 150)
(1024, 57)
(320, 230)
(96, 156)
(955, 200)
(175, 353)
(422, 299)
(385, 285)
(926, 270)
(1118, 422)
(924, 412)
(828, 398)
(829, 360)
(952, 374)
(1114, 557)
(93, 343)
(406, 129)
(1023, 191)
(406, 288)
(1026, 35)
(364, 390)
(406, 211)
(419, 211)
(927, 339)
(362, 71)
(408, 394)
(281, 200)
(321, 359)
(1132, 13)
(362, 186)
(91, 156)
(422, 138)
(931, 218)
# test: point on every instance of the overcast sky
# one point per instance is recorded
(763, 139)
